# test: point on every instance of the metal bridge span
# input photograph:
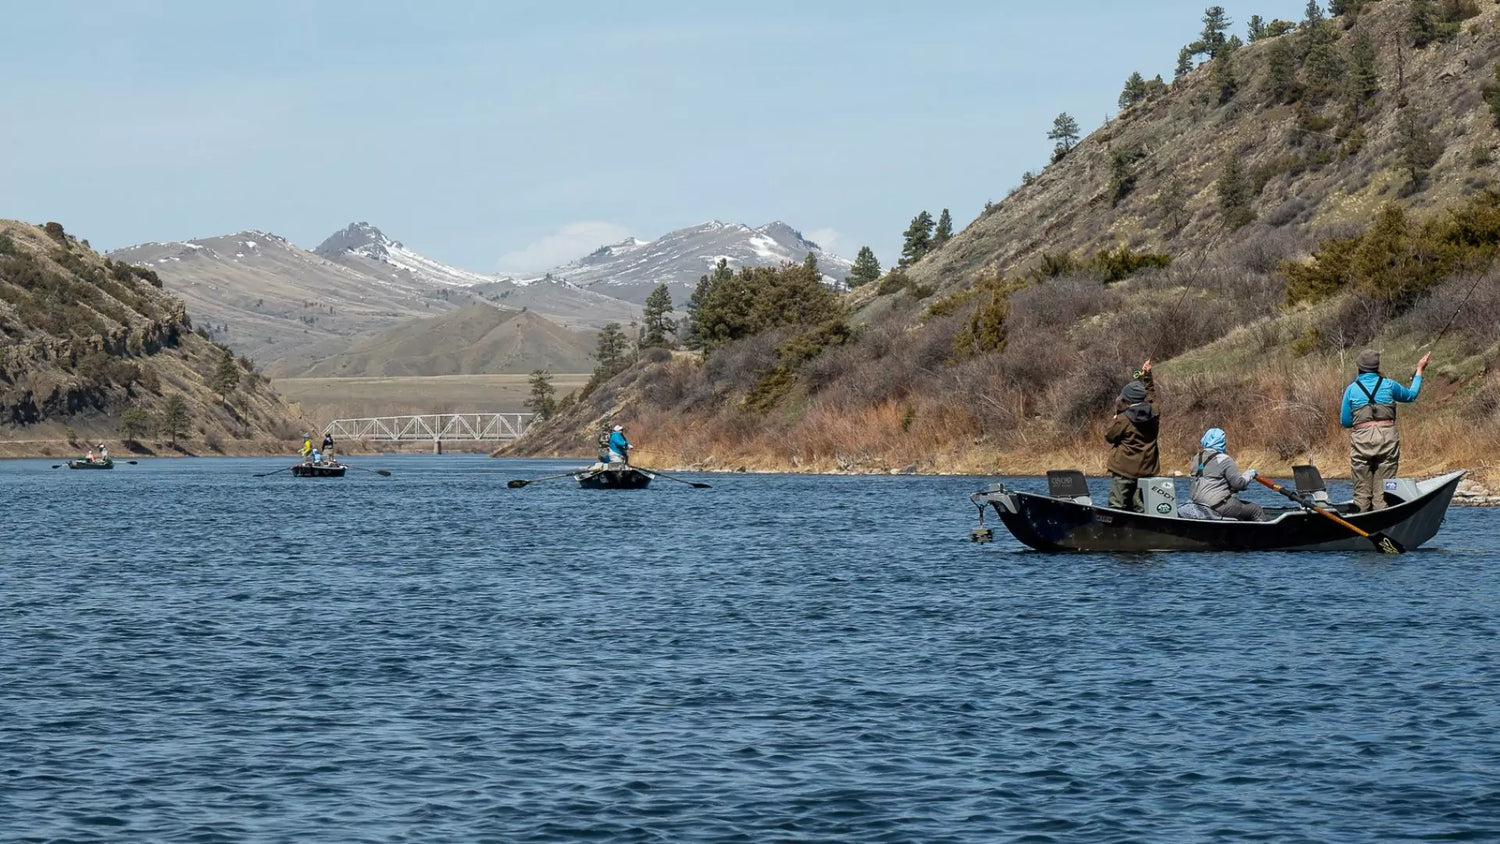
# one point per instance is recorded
(434, 428)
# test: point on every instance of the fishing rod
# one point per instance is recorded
(1479, 277)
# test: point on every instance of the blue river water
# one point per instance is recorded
(189, 653)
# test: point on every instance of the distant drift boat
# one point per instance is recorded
(612, 478)
(1067, 520)
(319, 470)
(106, 463)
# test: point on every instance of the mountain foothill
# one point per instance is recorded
(1290, 193)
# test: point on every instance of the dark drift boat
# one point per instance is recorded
(1066, 519)
(626, 477)
(106, 463)
(319, 470)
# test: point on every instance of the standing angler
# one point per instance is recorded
(1133, 435)
(1369, 408)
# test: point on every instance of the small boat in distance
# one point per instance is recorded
(613, 476)
(106, 463)
(1066, 519)
(321, 469)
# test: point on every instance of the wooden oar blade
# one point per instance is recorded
(516, 483)
(384, 473)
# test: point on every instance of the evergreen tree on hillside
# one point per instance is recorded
(1135, 91)
(693, 338)
(1416, 146)
(1281, 71)
(866, 268)
(1064, 131)
(1324, 68)
(1234, 195)
(226, 375)
(1215, 23)
(659, 328)
(133, 423)
(542, 402)
(1184, 63)
(175, 419)
(1256, 28)
(1362, 75)
(918, 239)
(1225, 78)
(944, 231)
(610, 351)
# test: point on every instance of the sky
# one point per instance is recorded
(515, 136)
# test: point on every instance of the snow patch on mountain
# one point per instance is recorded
(364, 241)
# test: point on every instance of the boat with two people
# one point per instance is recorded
(1066, 518)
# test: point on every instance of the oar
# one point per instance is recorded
(381, 472)
(282, 469)
(518, 483)
(1382, 543)
(670, 478)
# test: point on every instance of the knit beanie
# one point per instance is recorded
(1134, 392)
(1369, 361)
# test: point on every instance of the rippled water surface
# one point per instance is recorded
(189, 653)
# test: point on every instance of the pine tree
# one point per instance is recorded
(918, 239)
(1281, 71)
(609, 351)
(175, 419)
(1234, 195)
(1256, 29)
(1225, 78)
(866, 268)
(1422, 23)
(1416, 146)
(1064, 131)
(1362, 75)
(1134, 92)
(1184, 63)
(542, 402)
(133, 423)
(226, 375)
(659, 328)
(1215, 23)
(944, 231)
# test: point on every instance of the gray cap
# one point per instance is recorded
(1368, 361)
(1134, 392)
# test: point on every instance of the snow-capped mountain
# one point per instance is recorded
(632, 268)
(366, 248)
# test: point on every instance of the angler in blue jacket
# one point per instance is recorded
(1369, 409)
(619, 447)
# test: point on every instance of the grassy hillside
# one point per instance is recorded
(94, 350)
(322, 399)
(475, 340)
(1249, 226)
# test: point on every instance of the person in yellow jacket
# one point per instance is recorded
(307, 448)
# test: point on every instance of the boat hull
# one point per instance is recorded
(626, 478)
(1055, 524)
(97, 464)
(318, 470)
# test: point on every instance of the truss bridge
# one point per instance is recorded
(435, 428)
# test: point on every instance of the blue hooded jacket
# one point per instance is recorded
(618, 444)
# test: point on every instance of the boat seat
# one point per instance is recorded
(1192, 510)
(1309, 481)
(1069, 485)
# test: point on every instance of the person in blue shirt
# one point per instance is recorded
(1369, 410)
(619, 447)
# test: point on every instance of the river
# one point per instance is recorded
(189, 653)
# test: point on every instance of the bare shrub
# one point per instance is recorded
(1059, 302)
(1466, 307)
(736, 365)
(1261, 249)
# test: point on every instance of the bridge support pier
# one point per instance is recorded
(437, 446)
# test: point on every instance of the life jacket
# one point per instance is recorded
(604, 445)
(1372, 412)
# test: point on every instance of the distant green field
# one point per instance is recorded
(323, 399)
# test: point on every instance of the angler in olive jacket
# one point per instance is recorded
(1133, 434)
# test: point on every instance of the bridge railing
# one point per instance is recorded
(434, 427)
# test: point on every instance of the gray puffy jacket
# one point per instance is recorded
(1216, 478)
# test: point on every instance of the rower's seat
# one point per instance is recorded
(1069, 485)
(1309, 482)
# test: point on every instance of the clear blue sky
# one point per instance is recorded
(515, 135)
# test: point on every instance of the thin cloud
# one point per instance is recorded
(573, 240)
(828, 239)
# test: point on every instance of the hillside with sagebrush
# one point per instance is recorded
(92, 350)
(1291, 197)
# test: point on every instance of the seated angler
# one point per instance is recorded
(1216, 478)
